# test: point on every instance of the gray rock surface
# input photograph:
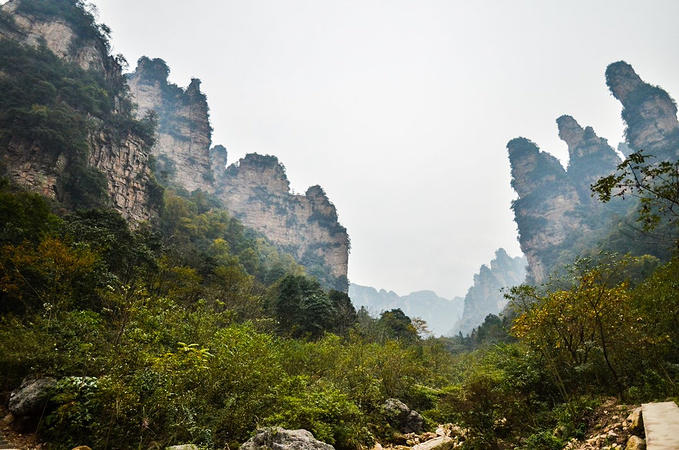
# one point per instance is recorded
(402, 417)
(277, 438)
(438, 443)
(31, 396)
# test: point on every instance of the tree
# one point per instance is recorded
(302, 308)
(582, 329)
(656, 184)
(398, 326)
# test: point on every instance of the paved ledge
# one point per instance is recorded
(661, 423)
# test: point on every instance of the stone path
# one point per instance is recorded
(661, 423)
(4, 444)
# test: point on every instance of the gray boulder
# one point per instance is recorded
(402, 417)
(31, 397)
(277, 438)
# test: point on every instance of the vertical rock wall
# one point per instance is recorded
(182, 147)
(257, 191)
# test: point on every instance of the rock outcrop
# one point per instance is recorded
(438, 312)
(648, 111)
(257, 191)
(589, 157)
(183, 139)
(282, 439)
(555, 213)
(486, 295)
(116, 156)
(402, 417)
(31, 397)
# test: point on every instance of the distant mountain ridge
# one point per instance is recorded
(439, 313)
(486, 295)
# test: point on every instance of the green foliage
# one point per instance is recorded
(322, 409)
(74, 12)
(398, 326)
(654, 183)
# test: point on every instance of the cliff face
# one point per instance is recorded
(34, 27)
(438, 312)
(648, 111)
(256, 190)
(183, 139)
(486, 296)
(548, 210)
(112, 158)
(555, 213)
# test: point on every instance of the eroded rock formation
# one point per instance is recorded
(648, 111)
(257, 191)
(486, 295)
(183, 139)
(556, 215)
(115, 155)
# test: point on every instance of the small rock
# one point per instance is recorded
(183, 447)
(439, 443)
(635, 443)
(636, 422)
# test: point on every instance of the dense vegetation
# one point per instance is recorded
(193, 329)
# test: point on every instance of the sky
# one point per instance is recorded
(401, 109)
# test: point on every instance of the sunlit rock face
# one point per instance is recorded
(122, 159)
(182, 148)
(648, 111)
(257, 191)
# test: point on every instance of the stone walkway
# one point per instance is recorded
(661, 423)
(4, 444)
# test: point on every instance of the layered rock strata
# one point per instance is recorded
(121, 158)
(183, 139)
(257, 191)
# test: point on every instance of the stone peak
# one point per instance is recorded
(622, 80)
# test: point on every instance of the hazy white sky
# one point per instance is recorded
(401, 109)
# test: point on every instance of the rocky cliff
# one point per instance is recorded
(183, 139)
(650, 114)
(69, 133)
(556, 215)
(439, 313)
(257, 191)
(486, 295)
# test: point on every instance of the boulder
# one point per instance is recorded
(277, 438)
(31, 396)
(402, 417)
(635, 443)
(636, 422)
(438, 443)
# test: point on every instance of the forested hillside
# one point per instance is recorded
(144, 317)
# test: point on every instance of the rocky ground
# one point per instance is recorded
(609, 428)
